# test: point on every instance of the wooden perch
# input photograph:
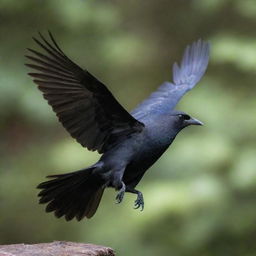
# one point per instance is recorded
(57, 248)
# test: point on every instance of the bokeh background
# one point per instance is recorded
(201, 196)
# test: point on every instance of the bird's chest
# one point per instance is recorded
(145, 156)
(150, 152)
(142, 161)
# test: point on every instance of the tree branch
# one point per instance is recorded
(58, 248)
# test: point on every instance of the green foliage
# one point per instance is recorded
(200, 197)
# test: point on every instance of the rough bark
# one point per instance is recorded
(57, 248)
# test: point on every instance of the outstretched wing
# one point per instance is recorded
(185, 77)
(84, 105)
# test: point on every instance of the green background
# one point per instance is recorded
(200, 198)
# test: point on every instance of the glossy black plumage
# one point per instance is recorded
(130, 143)
(84, 106)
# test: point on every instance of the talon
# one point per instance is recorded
(136, 206)
(119, 197)
(120, 194)
(139, 203)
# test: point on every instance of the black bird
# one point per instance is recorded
(130, 142)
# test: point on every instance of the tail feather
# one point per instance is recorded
(94, 203)
(75, 194)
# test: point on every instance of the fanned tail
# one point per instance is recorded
(76, 194)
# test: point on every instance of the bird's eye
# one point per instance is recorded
(184, 117)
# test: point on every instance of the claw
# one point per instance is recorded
(139, 202)
(120, 194)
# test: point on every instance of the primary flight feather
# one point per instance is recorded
(130, 142)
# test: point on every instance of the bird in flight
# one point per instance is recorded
(130, 143)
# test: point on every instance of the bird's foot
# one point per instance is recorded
(139, 202)
(120, 194)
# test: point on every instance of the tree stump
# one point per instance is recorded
(58, 248)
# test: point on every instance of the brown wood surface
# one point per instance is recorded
(57, 248)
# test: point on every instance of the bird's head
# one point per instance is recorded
(182, 120)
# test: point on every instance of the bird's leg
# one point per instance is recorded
(120, 194)
(139, 202)
(118, 184)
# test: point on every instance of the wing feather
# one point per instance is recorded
(185, 77)
(84, 106)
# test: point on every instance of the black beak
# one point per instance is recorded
(193, 121)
